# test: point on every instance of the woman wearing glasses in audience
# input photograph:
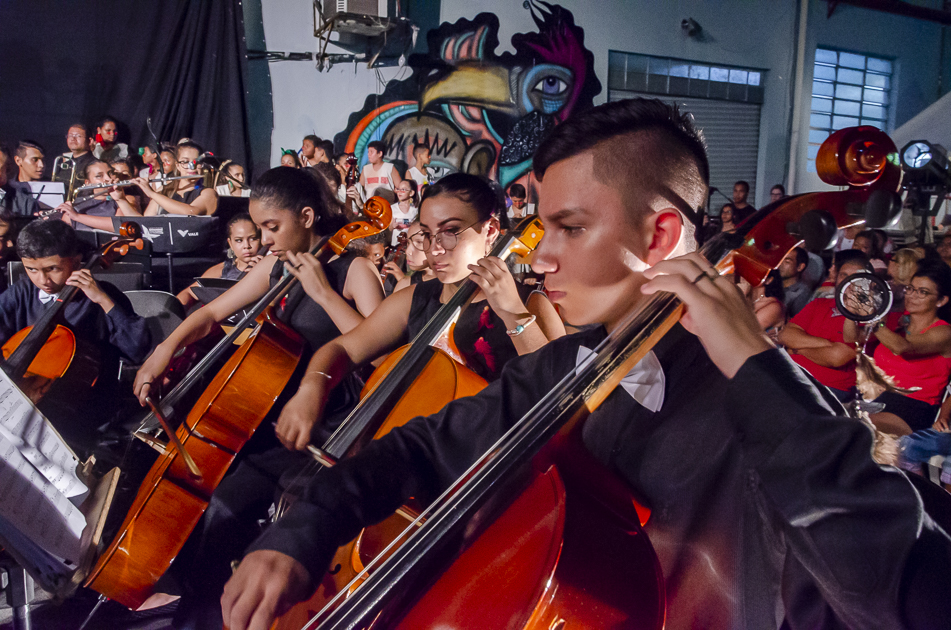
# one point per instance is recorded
(405, 209)
(917, 355)
(189, 196)
(458, 226)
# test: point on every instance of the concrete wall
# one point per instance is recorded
(760, 34)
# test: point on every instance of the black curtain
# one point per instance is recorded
(182, 62)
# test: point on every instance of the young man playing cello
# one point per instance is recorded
(766, 506)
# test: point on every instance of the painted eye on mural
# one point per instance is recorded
(551, 86)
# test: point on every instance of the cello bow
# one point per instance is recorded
(548, 437)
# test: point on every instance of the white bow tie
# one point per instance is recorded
(45, 297)
(645, 382)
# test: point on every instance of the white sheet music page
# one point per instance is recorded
(36, 508)
(22, 425)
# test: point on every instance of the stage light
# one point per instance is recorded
(916, 155)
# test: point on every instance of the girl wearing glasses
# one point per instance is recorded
(918, 356)
(406, 208)
(189, 196)
(458, 226)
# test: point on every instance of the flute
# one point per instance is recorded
(129, 182)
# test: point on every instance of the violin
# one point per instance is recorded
(351, 180)
(417, 379)
(46, 359)
(179, 485)
(538, 534)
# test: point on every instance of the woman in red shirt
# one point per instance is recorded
(920, 355)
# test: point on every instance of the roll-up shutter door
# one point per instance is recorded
(731, 130)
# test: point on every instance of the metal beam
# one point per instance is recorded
(897, 7)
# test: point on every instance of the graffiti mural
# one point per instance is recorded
(477, 111)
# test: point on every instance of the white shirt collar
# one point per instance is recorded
(645, 382)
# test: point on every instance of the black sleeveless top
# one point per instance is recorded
(231, 272)
(188, 197)
(309, 319)
(479, 333)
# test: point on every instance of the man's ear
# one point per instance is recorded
(665, 229)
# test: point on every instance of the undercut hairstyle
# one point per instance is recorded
(470, 189)
(293, 189)
(802, 257)
(328, 148)
(379, 145)
(744, 184)
(517, 190)
(40, 239)
(24, 145)
(313, 139)
(187, 144)
(419, 148)
(642, 146)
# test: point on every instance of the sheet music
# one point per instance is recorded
(23, 426)
(37, 508)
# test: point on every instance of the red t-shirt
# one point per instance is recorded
(930, 372)
(820, 318)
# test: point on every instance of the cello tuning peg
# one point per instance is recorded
(881, 208)
(816, 228)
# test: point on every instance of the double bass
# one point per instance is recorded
(177, 488)
(538, 534)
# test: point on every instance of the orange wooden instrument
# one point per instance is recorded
(173, 497)
(539, 535)
(46, 359)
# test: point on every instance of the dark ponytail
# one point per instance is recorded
(293, 190)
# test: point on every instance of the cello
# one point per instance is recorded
(177, 488)
(477, 557)
(46, 359)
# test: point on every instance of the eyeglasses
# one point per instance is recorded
(404, 190)
(187, 163)
(447, 239)
(76, 136)
(913, 290)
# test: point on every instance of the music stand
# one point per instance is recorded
(48, 194)
(173, 235)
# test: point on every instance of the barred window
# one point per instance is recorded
(848, 89)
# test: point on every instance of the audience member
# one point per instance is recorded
(29, 159)
(378, 174)
(324, 152)
(777, 193)
(728, 218)
(917, 355)
(901, 269)
(308, 150)
(814, 337)
(796, 291)
(767, 300)
(847, 237)
(244, 251)
(520, 207)
(417, 266)
(107, 145)
(419, 172)
(866, 243)
(741, 208)
(406, 208)
(8, 236)
(943, 248)
(151, 160)
(13, 198)
(289, 158)
(827, 288)
(190, 197)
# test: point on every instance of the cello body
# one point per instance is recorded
(442, 380)
(65, 367)
(170, 501)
